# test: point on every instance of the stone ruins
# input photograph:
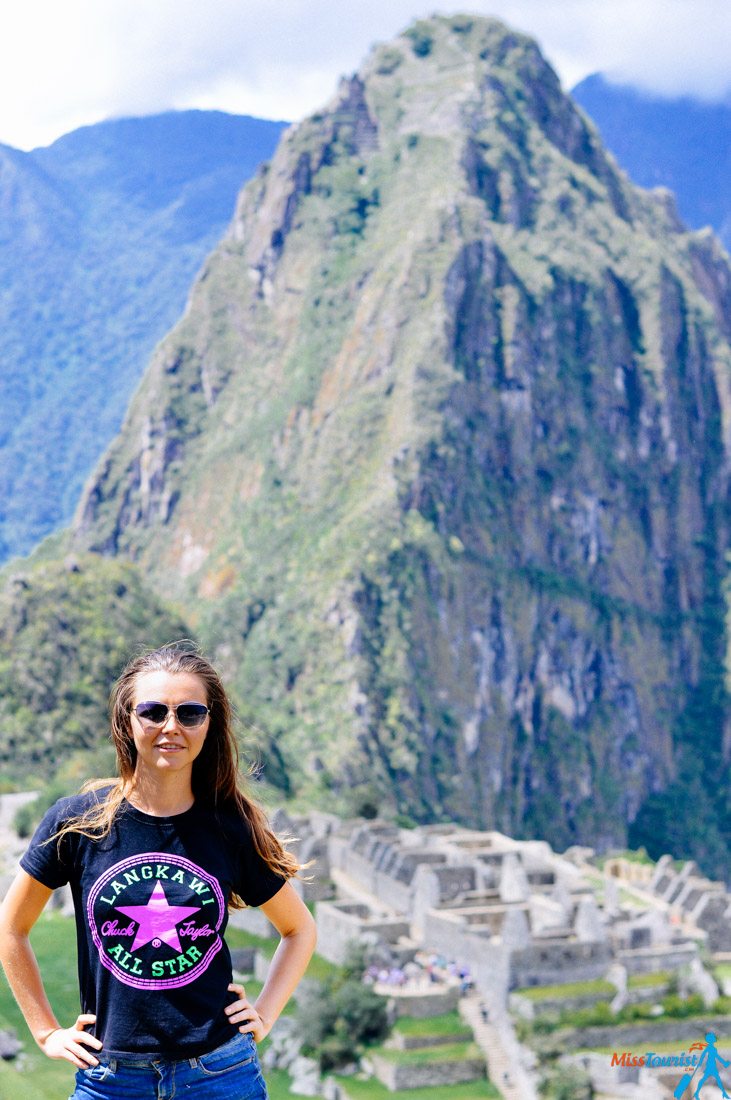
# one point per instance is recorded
(513, 912)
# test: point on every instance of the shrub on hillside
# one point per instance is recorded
(566, 1083)
(336, 1018)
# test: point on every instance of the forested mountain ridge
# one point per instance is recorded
(438, 461)
(101, 235)
(67, 628)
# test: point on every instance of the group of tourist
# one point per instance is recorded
(426, 968)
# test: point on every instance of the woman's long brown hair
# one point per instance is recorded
(216, 781)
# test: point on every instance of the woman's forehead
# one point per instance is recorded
(169, 687)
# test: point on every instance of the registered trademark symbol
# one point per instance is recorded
(157, 943)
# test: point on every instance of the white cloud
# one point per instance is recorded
(65, 64)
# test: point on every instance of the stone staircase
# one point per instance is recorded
(498, 1041)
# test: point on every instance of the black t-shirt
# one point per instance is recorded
(151, 910)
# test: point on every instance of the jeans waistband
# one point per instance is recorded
(116, 1058)
(130, 1058)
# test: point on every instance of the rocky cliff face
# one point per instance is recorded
(439, 457)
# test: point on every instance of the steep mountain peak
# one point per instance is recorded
(438, 456)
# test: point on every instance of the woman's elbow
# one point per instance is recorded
(306, 931)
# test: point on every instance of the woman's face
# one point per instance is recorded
(170, 747)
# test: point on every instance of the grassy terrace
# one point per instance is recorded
(598, 988)
(448, 1052)
(649, 981)
(450, 1023)
(567, 990)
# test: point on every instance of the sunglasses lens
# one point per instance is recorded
(152, 713)
(192, 714)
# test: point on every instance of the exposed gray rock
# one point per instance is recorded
(10, 1045)
(305, 1074)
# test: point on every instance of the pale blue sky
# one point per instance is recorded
(65, 63)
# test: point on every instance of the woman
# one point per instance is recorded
(155, 859)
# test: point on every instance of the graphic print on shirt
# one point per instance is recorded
(155, 920)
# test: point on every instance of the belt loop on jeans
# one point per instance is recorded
(193, 1063)
(112, 1065)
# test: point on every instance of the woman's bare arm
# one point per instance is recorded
(292, 919)
(20, 909)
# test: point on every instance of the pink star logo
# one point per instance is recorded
(157, 919)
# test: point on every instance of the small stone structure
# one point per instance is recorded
(342, 923)
(692, 897)
(421, 1003)
(427, 1074)
(629, 870)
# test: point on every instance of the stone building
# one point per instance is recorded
(513, 912)
(693, 898)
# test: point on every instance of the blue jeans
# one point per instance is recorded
(230, 1072)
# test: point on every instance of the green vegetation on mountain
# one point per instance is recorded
(101, 233)
(437, 463)
(66, 631)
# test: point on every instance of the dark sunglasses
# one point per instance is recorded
(188, 715)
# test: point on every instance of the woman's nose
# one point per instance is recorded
(170, 717)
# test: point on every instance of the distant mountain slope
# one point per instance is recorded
(101, 235)
(681, 143)
(66, 631)
(438, 462)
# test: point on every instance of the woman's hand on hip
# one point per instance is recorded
(71, 1042)
(243, 1014)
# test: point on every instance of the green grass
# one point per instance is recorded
(450, 1023)
(374, 1090)
(319, 968)
(278, 1083)
(567, 990)
(632, 855)
(42, 1080)
(54, 941)
(449, 1052)
(648, 981)
(239, 937)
